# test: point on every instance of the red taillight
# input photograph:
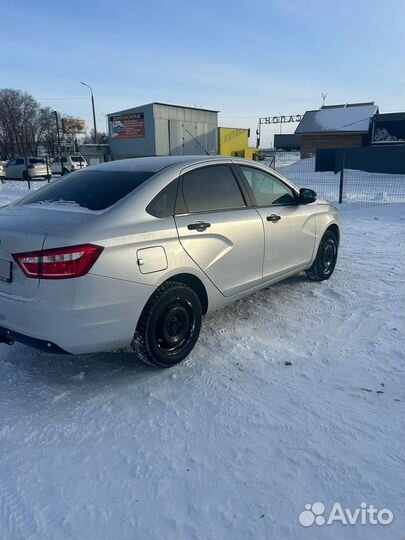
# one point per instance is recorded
(30, 167)
(59, 263)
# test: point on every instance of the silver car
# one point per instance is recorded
(27, 168)
(133, 253)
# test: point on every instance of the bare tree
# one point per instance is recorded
(24, 125)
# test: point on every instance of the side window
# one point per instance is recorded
(211, 188)
(267, 189)
(163, 204)
(19, 161)
(11, 163)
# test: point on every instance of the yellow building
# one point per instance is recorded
(235, 142)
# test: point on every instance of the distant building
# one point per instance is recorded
(235, 142)
(388, 128)
(288, 142)
(336, 126)
(160, 129)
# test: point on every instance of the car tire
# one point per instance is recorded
(325, 261)
(64, 171)
(169, 325)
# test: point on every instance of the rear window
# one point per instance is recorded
(77, 158)
(35, 161)
(95, 190)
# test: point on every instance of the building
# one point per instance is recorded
(288, 142)
(160, 129)
(336, 126)
(95, 153)
(388, 128)
(235, 142)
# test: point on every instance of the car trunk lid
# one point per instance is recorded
(23, 228)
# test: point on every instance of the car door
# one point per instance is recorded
(219, 229)
(290, 228)
(11, 169)
(19, 168)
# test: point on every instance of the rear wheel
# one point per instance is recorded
(325, 262)
(169, 325)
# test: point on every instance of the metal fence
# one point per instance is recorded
(22, 174)
(346, 186)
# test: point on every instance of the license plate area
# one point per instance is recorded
(6, 272)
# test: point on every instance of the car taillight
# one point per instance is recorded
(60, 263)
(31, 167)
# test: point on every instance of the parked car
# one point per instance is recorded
(133, 253)
(2, 168)
(67, 164)
(27, 168)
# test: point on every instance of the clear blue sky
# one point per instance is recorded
(245, 58)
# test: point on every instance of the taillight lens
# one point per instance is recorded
(59, 263)
(31, 167)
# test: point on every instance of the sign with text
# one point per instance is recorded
(281, 119)
(127, 126)
(73, 125)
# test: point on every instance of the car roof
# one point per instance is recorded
(155, 163)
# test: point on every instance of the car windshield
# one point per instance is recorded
(92, 189)
(76, 158)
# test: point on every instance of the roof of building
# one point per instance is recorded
(233, 128)
(390, 117)
(126, 111)
(349, 118)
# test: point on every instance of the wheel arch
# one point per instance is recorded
(335, 229)
(194, 283)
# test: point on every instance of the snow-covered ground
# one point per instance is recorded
(294, 395)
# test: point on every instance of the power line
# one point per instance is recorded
(64, 98)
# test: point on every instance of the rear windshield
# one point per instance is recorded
(36, 160)
(95, 190)
(76, 158)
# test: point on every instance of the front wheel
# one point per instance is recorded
(169, 325)
(325, 261)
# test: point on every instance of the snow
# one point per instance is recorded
(293, 395)
(12, 190)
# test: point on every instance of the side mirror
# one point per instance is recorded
(307, 196)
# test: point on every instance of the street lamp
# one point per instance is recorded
(94, 111)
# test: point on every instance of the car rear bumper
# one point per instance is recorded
(77, 316)
(9, 337)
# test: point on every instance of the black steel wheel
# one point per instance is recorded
(169, 325)
(325, 261)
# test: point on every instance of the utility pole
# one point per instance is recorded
(94, 111)
(258, 133)
(324, 96)
(57, 130)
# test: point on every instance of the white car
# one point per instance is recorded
(67, 164)
(132, 253)
(27, 168)
(2, 168)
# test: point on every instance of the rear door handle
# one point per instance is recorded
(273, 218)
(198, 226)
